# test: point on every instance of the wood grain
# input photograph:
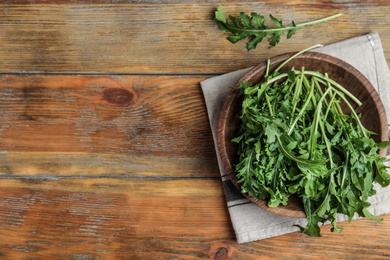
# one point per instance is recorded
(153, 219)
(105, 146)
(172, 37)
(104, 125)
(132, 219)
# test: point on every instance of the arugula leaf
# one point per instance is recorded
(220, 16)
(254, 28)
(292, 31)
(312, 229)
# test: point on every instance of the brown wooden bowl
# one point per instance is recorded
(372, 111)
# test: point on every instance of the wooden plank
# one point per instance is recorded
(104, 125)
(54, 165)
(165, 38)
(153, 219)
(68, 219)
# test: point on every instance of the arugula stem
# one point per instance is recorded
(330, 104)
(333, 83)
(287, 28)
(327, 143)
(312, 84)
(294, 56)
(313, 136)
(269, 105)
(317, 21)
(267, 69)
(298, 91)
(301, 112)
(273, 79)
(344, 170)
(359, 123)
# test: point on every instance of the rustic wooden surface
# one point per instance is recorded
(105, 146)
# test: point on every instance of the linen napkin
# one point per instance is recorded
(252, 223)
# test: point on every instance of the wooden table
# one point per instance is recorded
(105, 145)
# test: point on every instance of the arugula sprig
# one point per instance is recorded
(295, 139)
(254, 27)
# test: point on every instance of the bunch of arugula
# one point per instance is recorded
(255, 29)
(294, 139)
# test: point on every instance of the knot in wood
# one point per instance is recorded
(221, 254)
(118, 96)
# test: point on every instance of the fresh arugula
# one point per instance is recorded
(254, 27)
(294, 139)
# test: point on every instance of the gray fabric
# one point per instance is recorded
(249, 221)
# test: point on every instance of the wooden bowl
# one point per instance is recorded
(372, 111)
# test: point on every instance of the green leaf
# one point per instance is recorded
(271, 131)
(291, 76)
(275, 39)
(383, 145)
(252, 44)
(381, 174)
(219, 15)
(245, 20)
(369, 215)
(223, 26)
(291, 32)
(331, 129)
(325, 206)
(334, 223)
(277, 22)
(292, 145)
(258, 21)
(235, 38)
(235, 22)
(312, 229)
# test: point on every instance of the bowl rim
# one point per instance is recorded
(253, 75)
